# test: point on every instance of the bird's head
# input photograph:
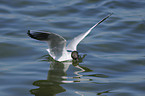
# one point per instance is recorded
(75, 55)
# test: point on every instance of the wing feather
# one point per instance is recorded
(73, 44)
(56, 43)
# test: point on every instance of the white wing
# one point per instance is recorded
(73, 44)
(56, 43)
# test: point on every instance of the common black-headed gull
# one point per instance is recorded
(57, 48)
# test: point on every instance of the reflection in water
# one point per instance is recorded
(56, 76)
(51, 86)
(100, 93)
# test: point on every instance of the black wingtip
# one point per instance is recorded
(28, 31)
(43, 36)
(105, 18)
(29, 34)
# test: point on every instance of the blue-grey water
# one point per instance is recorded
(115, 60)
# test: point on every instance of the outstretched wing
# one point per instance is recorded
(73, 44)
(56, 43)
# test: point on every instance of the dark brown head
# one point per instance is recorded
(75, 55)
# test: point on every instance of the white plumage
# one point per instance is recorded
(57, 44)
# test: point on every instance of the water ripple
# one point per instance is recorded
(114, 64)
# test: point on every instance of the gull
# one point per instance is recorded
(57, 48)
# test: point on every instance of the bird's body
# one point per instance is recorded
(57, 48)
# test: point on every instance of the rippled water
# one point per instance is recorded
(115, 61)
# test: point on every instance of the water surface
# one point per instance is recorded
(115, 61)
